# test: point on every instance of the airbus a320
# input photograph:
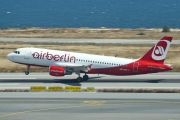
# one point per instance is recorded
(62, 63)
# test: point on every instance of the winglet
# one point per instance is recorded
(158, 52)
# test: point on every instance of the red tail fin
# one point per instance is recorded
(158, 52)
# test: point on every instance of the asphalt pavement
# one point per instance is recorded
(101, 106)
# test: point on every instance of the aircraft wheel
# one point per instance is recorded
(26, 72)
(85, 77)
(79, 79)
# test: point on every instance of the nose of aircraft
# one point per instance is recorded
(10, 57)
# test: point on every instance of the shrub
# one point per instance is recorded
(4, 28)
(23, 27)
(166, 29)
(141, 33)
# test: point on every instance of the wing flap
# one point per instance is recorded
(75, 67)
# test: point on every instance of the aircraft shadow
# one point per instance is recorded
(128, 81)
(76, 83)
(72, 82)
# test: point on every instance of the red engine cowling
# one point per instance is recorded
(57, 71)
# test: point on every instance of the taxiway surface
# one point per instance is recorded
(80, 106)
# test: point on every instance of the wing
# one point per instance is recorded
(73, 67)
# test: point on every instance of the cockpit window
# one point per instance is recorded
(17, 52)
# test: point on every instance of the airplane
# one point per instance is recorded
(62, 63)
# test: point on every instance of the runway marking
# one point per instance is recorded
(92, 102)
(95, 102)
(82, 103)
(44, 109)
(87, 102)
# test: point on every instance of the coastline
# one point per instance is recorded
(88, 33)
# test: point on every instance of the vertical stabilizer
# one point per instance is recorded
(158, 52)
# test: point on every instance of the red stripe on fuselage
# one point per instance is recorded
(135, 68)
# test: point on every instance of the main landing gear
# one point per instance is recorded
(27, 71)
(85, 77)
(80, 79)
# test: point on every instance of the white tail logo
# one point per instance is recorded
(160, 50)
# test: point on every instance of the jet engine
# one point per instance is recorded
(58, 71)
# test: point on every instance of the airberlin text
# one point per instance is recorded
(56, 57)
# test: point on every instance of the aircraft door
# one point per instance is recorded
(135, 66)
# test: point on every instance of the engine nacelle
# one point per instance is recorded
(58, 71)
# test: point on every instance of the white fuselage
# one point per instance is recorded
(45, 57)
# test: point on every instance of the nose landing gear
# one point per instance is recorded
(27, 71)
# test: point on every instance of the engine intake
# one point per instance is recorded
(58, 71)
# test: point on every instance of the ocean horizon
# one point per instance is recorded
(90, 13)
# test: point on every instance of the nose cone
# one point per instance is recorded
(10, 57)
